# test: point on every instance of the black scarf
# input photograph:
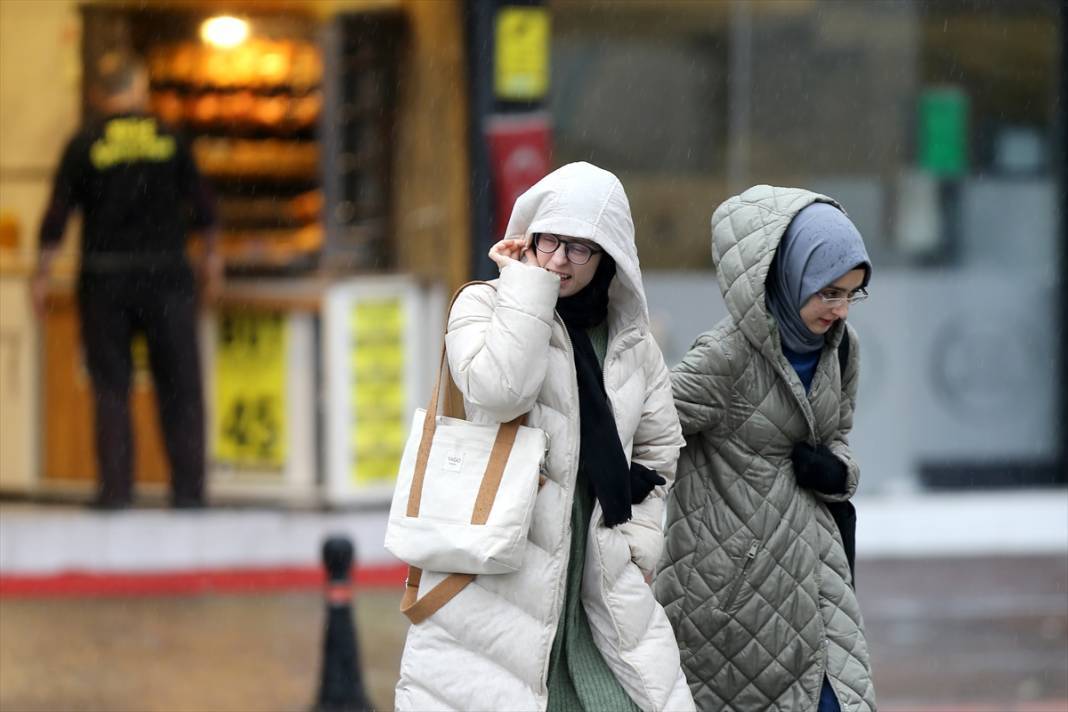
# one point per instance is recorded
(615, 485)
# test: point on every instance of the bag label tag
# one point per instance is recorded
(454, 461)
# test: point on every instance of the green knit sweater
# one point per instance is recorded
(579, 678)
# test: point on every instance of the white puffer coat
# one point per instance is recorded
(509, 353)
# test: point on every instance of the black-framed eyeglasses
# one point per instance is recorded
(577, 253)
(837, 297)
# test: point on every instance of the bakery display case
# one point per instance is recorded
(252, 113)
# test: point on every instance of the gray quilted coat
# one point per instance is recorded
(754, 577)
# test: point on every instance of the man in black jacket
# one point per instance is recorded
(139, 193)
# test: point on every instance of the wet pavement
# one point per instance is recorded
(964, 634)
(958, 634)
(214, 653)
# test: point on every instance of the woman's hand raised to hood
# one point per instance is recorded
(511, 250)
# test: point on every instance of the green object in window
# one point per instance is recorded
(943, 132)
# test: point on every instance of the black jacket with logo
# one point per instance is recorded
(138, 188)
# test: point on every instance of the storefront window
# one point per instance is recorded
(933, 123)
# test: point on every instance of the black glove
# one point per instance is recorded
(642, 482)
(817, 468)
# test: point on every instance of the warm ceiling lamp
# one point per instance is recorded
(224, 31)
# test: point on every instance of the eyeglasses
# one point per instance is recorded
(577, 253)
(837, 297)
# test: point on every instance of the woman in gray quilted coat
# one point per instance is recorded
(755, 576)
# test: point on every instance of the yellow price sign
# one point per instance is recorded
(378, 320)
(376, 361)
(521, 57)
(250, 381)
(380, 400)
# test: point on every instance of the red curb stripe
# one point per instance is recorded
(81, 583)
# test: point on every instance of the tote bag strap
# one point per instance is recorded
(502, 447)
(417, 609)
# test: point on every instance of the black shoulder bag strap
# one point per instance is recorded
(844, 513)
(843, 354)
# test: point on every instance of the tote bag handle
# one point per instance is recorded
(419, 609)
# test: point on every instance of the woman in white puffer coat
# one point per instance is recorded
(563, 335)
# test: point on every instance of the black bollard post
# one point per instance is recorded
(341, 687)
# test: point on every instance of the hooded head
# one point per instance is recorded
(582, 201)
(820, 246)
(761, 245)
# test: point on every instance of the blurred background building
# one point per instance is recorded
(938, 125)
(377, 138)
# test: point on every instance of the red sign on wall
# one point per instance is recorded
(519, 148)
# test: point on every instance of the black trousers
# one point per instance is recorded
(163, 305)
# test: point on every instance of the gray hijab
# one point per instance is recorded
(819, 246)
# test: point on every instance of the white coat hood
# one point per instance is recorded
(584, 201)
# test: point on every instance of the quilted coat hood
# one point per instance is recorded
(584, 201)
(746, 232)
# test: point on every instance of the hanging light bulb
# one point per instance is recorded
(224, 31)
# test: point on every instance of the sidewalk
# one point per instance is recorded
(63, 550)
(56, 549)
(963, 598)
(963, 524)
(948, 634)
